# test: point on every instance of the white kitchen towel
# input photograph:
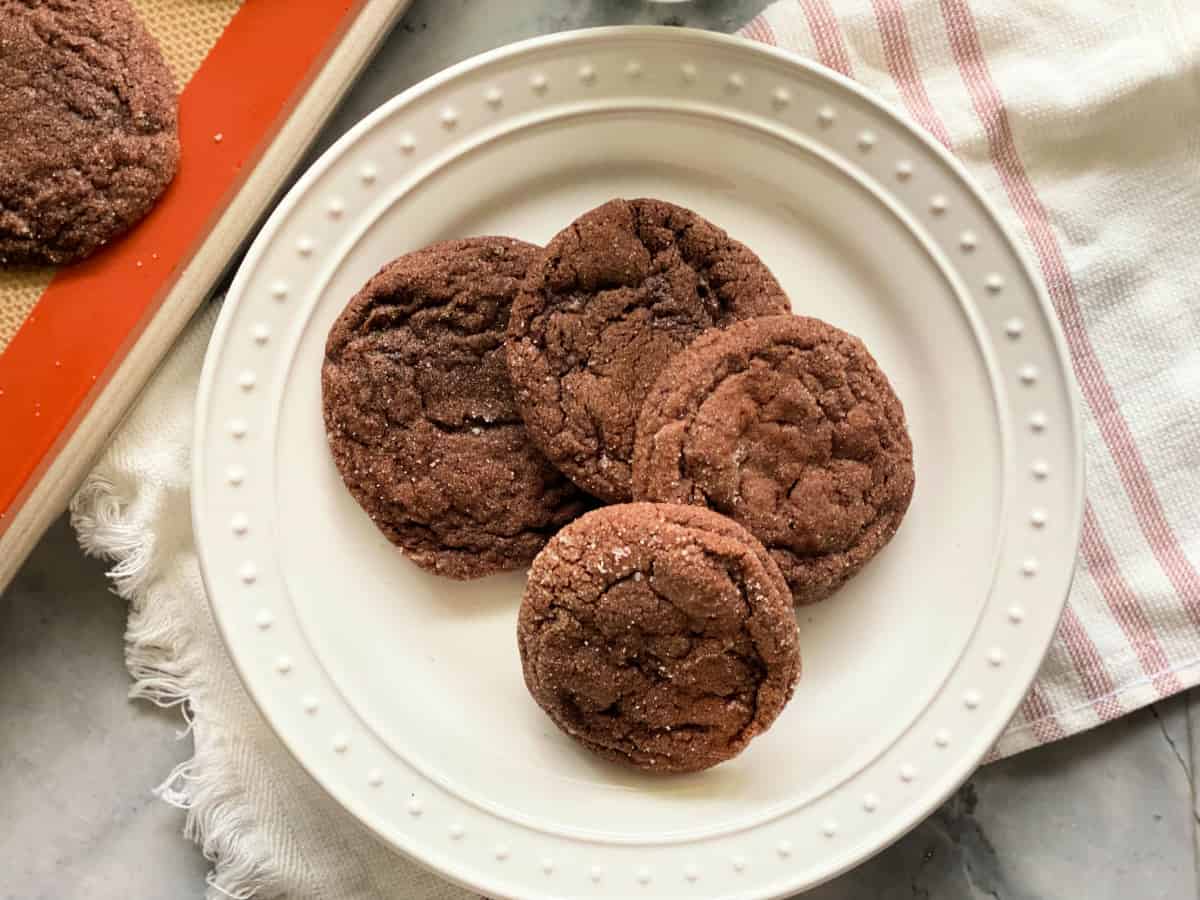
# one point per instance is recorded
(1079, 120)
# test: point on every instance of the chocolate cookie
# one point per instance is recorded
(787, 425)
(420, 415)
(658, 635)
(88, 136)
(616, 294)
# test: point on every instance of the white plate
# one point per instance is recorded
(402, 693)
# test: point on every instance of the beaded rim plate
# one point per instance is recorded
(401, 693)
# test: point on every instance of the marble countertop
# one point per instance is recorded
(1108, 815)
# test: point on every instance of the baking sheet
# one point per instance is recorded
(77, 344)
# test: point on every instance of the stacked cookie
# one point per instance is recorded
(481, 394)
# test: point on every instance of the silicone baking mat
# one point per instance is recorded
(256, 80)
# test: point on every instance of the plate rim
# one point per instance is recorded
(966, 763)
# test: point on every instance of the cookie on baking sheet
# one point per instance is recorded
(658, 635)
(88, 137)
(787, 425)
(616, 294)
(420, 416)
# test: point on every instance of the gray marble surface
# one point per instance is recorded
(1108, 815)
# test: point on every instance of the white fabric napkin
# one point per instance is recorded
(1079, 121)
(265, 824)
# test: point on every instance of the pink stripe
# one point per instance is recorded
(827, 36)
(897, 50)
(1097, 683)
(964, 41)
(1041, 718)
(759, 29)
(769, 36)
(1105, 571)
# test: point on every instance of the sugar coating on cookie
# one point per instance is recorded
(658, 635)
(616, 294)
(420, 416)
(88, 135)
(787, 425)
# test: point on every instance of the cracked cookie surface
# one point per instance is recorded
(658, 635)
(420, 416)
(88, 133)
(787, 425)
(615, 295)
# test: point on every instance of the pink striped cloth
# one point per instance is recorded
(1079, 120)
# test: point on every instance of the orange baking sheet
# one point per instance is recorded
(90, 314)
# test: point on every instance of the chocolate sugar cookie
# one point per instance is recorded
(617, 293)
(658, 635)
(787, 425)
(88, 136)
(420, 416)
